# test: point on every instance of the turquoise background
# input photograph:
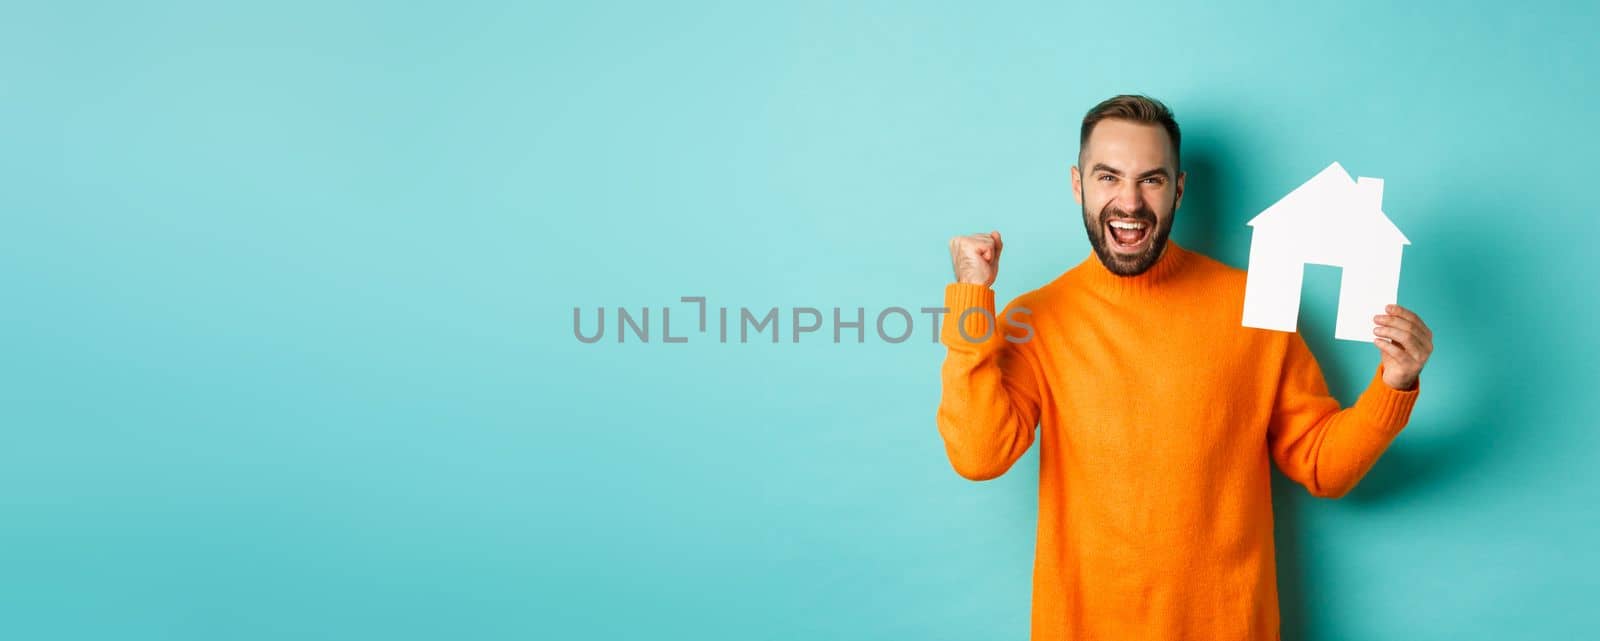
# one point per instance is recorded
(288, 287)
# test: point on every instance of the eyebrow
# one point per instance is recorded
(1159, 171)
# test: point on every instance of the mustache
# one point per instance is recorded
(1142, 214)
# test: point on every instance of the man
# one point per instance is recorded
(1159, 412)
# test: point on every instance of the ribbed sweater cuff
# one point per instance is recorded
(1387, 408)
(980, 326)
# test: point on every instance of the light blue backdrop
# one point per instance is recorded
(287, 344)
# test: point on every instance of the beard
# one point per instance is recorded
(1124, 264)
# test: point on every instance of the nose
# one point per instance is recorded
(1128, 197)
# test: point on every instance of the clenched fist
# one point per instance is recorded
(976, 258)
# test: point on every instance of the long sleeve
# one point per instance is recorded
(1319, 445)
(989, 404)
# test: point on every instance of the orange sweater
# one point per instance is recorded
(1159, 414)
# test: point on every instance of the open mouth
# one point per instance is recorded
(1127, 235)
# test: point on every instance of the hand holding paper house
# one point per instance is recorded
(1329, 220)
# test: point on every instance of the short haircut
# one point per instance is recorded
(1139, 109)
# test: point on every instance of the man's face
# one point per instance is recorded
(1130, 187)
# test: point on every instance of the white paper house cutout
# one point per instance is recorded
(1329, 220)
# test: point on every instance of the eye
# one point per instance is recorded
(1153, 180)
(1106, 177)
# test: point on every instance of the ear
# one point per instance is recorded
(1178, 202)
(1077, 185)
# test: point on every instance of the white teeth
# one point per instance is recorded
(1120, 224)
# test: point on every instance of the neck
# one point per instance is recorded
(1142, 284)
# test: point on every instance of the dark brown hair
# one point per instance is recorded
(1140, 109)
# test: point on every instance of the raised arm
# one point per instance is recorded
(989, 403)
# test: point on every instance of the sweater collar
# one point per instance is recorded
(1103, 280)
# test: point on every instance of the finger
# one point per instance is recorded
(1426, 331)
(997, 244)
(1410, 316)
(1397, 353)
(1397, 322)
(1422, 343)
(1392, 336)
(1399, 310)
(1413, 344)
(1395, 334)
(984, 244)
(1392, 351)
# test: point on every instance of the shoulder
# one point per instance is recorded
(1202, 264)
(1049, 294)
(1221, 287)
(1214, 276)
